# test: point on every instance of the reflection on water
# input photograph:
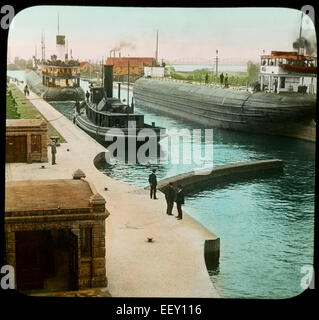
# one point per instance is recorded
(266, 225)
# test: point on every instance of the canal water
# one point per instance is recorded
(266, 225)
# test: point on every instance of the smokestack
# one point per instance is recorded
(119, 54)
(108, 81)
(119, 91)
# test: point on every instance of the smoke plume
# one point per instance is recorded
(308, 44)
(124, 44)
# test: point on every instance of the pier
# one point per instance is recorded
(225, 173)
(172, 265)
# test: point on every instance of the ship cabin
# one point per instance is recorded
(57, 73)
(283, 71)
(110, 112)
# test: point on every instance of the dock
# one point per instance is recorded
(225, 173)
(173, 265)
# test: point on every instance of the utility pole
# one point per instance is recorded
(300, 30)
(216, 62)
(128, 81)
(156, 52)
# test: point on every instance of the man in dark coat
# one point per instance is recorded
(87, 95)
(53, 151)
(221, 78)
(179, 201)
(153, 183)
(170, 197)
(226, 81)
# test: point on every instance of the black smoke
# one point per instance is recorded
(306, 44)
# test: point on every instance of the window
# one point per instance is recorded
(86, 242)
(282, 82)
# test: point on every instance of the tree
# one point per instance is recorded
(252, 71)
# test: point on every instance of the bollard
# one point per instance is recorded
(211, 253)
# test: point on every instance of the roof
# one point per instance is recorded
(290, 55)
(134, 61)
(24, 122)
(46, 195)
(83, 63)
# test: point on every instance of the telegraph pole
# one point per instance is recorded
(300, 30)
(216, 62)
(156, 53)
(128, 81)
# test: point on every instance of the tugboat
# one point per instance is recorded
(106, 118)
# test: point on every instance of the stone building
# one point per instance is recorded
(26, 140)
(135, 66)
(55, 234)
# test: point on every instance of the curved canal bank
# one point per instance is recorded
(172, 265)
(266, 225)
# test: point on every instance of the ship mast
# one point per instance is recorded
(156, 52)
(300, 31)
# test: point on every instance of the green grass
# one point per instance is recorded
(234, 78)
(18, 107)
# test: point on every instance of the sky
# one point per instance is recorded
(184, 33)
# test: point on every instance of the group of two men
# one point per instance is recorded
(171, 195)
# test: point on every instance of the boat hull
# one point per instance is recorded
(106, 135)
(34, 81)
(226, 108)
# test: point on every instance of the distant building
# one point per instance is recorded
(283, 71)
(86, 67)
(55, 234)
(26, 140)
(133, 64)
(154, 72)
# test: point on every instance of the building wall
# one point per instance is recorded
(91, 270)
(134, 65)
(37, 139)
(154, 72)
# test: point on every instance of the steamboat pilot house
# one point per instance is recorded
(57, 73)
(283, 71)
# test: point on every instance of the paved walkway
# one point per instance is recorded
(171, 266)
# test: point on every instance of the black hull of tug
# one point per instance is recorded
(99, 133)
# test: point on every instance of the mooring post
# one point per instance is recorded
(211, 253)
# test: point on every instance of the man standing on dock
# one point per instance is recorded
(226, 81)
(170, 197)
(153, 183)
(221, 77)
(87, 95)
(179, 201)
(53, 151)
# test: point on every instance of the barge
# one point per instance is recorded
(284, 102)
